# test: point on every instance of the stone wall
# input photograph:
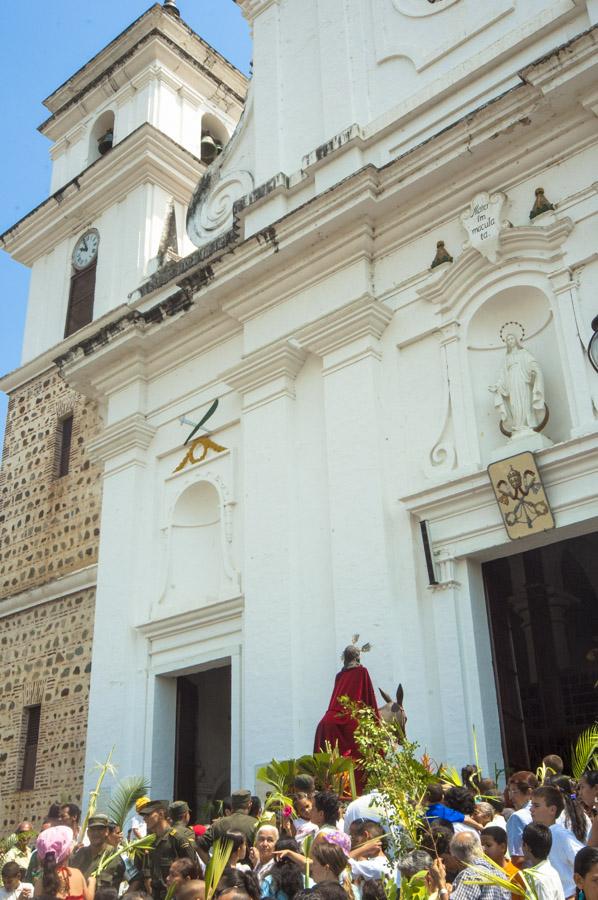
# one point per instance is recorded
(49, 526)
(45, 658)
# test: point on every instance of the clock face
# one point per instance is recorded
(86, 249)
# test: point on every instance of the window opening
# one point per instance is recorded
(63, 448)
(32, 720)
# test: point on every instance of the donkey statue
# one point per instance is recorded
(393, 711)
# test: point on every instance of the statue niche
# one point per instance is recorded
(519, 389)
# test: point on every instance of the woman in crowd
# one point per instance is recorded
(238, 853)
(57, 879)
(574, 816)
(588, 792)
(329, 863)
(519, 788)
(261, 854)
(585, 873)
(237, 884)
(286, 877)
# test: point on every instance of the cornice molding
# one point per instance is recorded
(146, 154)
(266, 374)
(350, 332)
(210, 616)
(253, 8)
(130, 437)
(72, 583)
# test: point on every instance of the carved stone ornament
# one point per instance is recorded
(483, 223)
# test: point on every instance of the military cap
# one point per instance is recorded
(98, 821)
(153, 806)
(178, 808)
(240, 798)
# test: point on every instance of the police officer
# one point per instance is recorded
(239, 820)
(86, 859)
(168, 846)
(180, 814)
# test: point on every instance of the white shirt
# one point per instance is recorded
(562, 856)
(138, 824)
(546, 882)
(565, 822)
(14, 895)
(459, 827)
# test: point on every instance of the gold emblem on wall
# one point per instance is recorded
(189, 459)
(205, 441)
(520, 494)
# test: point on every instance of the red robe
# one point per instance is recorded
(337, 726)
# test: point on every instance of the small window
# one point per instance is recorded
(80, 311)
(32, 720)
(63, 446)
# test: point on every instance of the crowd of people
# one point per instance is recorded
(538, 840)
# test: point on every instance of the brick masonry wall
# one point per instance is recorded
(49, 527)
(45, 657)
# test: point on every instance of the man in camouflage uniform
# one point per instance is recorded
(86, 859)
(180, 816)
(169, 845)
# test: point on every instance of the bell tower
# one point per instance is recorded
(131, 133)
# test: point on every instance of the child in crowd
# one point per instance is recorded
(547, 804)
(13, 888)
(494, 842)
(437, 812)
(537, 842)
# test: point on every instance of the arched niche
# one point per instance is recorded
(101, 136)
(527, 306)
(196, 569)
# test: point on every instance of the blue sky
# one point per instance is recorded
(42, 43)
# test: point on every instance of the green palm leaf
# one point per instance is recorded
(124, 796)
(584, 754)
(221, 851)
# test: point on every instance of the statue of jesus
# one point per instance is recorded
(337, 726)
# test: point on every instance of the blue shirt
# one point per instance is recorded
(440, 811)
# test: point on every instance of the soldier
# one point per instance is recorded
(180, 814)
(169, 845)
(239, 820)
(86, 859)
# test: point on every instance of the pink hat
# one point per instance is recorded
(57, 840)
(339, 838)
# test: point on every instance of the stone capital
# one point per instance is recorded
(123, 443)
(348, 334)
(266, 374)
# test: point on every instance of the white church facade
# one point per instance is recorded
(387, 280)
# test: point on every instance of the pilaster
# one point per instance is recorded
(349, 344)
(266, 381)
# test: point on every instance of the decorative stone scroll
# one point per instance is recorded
(483, 223)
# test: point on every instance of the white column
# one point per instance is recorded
(265, 379)
(117, 703)
(348, 341)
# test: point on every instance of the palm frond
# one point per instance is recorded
(450, 775)
(132, 848)
(95, 793)
(584, 754)
(221, 851)
(6, 844)
(124, 796)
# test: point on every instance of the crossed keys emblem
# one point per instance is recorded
(517, 492)
(204, 441)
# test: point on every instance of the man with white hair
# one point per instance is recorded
(262, 853)
(467, 851)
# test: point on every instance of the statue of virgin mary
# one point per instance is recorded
(519, 391)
